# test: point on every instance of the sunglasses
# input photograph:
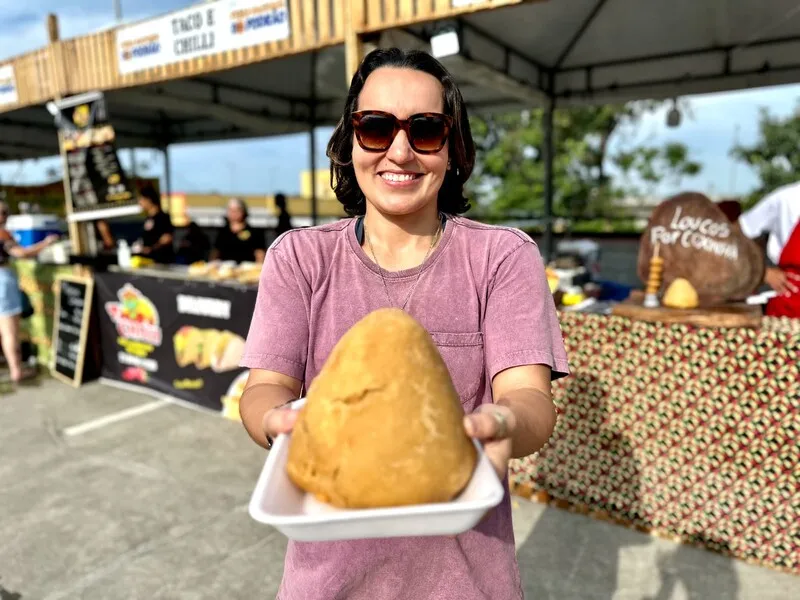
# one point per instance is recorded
(427, 132)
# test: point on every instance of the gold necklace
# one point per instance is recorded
(416, 281)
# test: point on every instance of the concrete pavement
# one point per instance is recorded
(153, 506)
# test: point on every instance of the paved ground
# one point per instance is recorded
(154, 507)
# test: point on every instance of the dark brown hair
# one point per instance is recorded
(461, 147)
(149, 191)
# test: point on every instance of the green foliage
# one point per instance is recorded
(509, 174)
(775, 156)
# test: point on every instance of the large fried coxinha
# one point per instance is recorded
(383, 424)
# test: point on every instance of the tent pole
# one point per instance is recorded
(312, 122)
(549, 245)
(167, 177)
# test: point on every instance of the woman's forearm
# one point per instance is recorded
(535, 416)
(257, 401)
(28, 251)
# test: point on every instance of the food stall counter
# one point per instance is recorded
(177, 332)
(686, 432)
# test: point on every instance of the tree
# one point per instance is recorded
(775, 156)
(509, 174)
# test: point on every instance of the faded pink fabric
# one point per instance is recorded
(483, 297)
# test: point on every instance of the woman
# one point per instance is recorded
(10, 295)
(400, 156)
(237, 241)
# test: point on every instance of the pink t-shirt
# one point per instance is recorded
(483, 296)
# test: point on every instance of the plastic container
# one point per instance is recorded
(299, 516)
(123, 254)
(32, 229)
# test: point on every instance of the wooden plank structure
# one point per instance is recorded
(89, 62)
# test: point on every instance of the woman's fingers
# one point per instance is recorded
(279, 420)
(490, 422)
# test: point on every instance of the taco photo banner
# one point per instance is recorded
(181, 338)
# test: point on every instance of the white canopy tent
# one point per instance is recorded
(571, 52)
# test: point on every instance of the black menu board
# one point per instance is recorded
(71, 328)
(98, 186)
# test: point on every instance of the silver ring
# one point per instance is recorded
(502, 424)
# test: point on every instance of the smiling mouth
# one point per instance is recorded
(400, 177)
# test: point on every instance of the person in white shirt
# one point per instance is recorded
(778, 214)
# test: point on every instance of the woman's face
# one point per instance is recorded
(384, 176)
(235, 212)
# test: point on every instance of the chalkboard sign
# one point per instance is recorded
(71, 328)
(98, 186)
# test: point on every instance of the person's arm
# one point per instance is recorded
(264, 392)
(783, 282)
(259, 244)
(163, 241)
(18, 251)
(105, 235)
(524, 352)
(219, 240)
(277, 347)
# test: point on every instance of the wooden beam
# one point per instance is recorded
(77, 234)
(353, 11)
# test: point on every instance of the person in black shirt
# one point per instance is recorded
(284, 218)
(194, 246)
(158, 234)
(237, 241)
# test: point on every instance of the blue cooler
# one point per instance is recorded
(31, 229)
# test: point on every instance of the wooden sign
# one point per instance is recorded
(698, 243)
(71, 328)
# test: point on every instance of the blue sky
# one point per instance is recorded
(265, 166)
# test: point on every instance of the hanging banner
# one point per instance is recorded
(200, 31)
(98, 185)
(8, 85)
(181, 338)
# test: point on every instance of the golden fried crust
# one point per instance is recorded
(382, 425)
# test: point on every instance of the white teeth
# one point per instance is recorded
(398, 176)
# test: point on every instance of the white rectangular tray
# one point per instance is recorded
(277, 501)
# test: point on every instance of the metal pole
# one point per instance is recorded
(312, 118)
(118, 11)
(167, 177)
(549, 246)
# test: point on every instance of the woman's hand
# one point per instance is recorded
(782, 282)
(278, 420)
(493, 425)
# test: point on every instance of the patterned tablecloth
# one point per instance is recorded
(684, 432)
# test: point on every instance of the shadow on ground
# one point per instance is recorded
(8, 595)
(680, 568)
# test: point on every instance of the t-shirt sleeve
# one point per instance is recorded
(165, 226)
(278, 337)
(521, 323)
(762, 218)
